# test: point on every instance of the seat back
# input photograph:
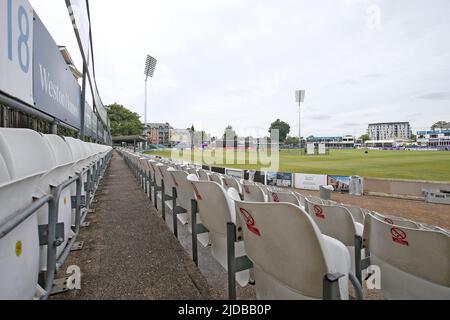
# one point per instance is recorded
(217, 178)
(160, 170)
(203, 175)
(25, 152)
(286, 197)
(192, 171)
(4, 172)
(334, 221)
(415, 263)
(284, 242)
(61, 151)
(25, 158)
(398, 221)
(253, 193)
(214, 206)
(301, 198)
(230, 182)
(356, 212)
(185, 191)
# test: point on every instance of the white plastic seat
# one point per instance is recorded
(203, 175)
(230, 182)
(286, 197)
(398, 221)
(337, 222)
(54, 177)
(192, 171)
(160, 171)
(216, 209)
(357, 213)
(290, 255)
(27, 158)
(414, 263)
(253, 193)
(301, 198)
(217, 178)
(185, 195)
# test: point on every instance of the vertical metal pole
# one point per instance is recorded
(83, 104)
(163, 200)
(174, 212)
(300, 124)
(194, 231)
(231, 232)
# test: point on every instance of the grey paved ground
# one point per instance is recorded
(129, 252)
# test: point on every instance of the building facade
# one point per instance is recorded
(345, 142)
(159, 133)
(390, 131)
(181, 136)
(439, 138)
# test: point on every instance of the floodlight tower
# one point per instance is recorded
(300, 98)
(150, 66)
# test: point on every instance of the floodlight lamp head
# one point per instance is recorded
(300, 96)
(150, 66)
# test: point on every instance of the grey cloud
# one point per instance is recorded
(436, 96)
(348, 82)
(373, 76)
(320, 117)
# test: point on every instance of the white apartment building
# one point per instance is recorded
(390, 131)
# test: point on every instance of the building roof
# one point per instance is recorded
(65, 53)
(154, 125)
(128, 138)
(433, 132)
(388, 123)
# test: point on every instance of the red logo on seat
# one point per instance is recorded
(390, 221)
(319, 212)
(197, 194)
(247, 189)
(275, 197)
(399, 236)
(225, 182)
(174, 180)
(250, 221)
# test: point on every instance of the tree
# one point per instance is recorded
(283, 128)
(441, 125)
(123, 121)
(292, 141)
(365, 137)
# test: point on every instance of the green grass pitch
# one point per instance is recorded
(411, 165)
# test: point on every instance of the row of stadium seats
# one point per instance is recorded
(300, 247)
(46, 186)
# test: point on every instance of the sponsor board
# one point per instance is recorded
(310, 181)
(339, 183)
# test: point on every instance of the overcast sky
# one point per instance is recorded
(239, 62)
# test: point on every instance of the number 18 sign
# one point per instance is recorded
(16, 49)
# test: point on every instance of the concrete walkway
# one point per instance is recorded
(129, 253)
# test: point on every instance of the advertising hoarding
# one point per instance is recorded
(339, 183)
(235, 173)
(311, 149)
(278, 179)
(322, 149)
(56, 92)
(310, 181)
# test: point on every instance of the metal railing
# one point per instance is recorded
(51, 233)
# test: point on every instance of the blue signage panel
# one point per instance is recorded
(56, 92)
